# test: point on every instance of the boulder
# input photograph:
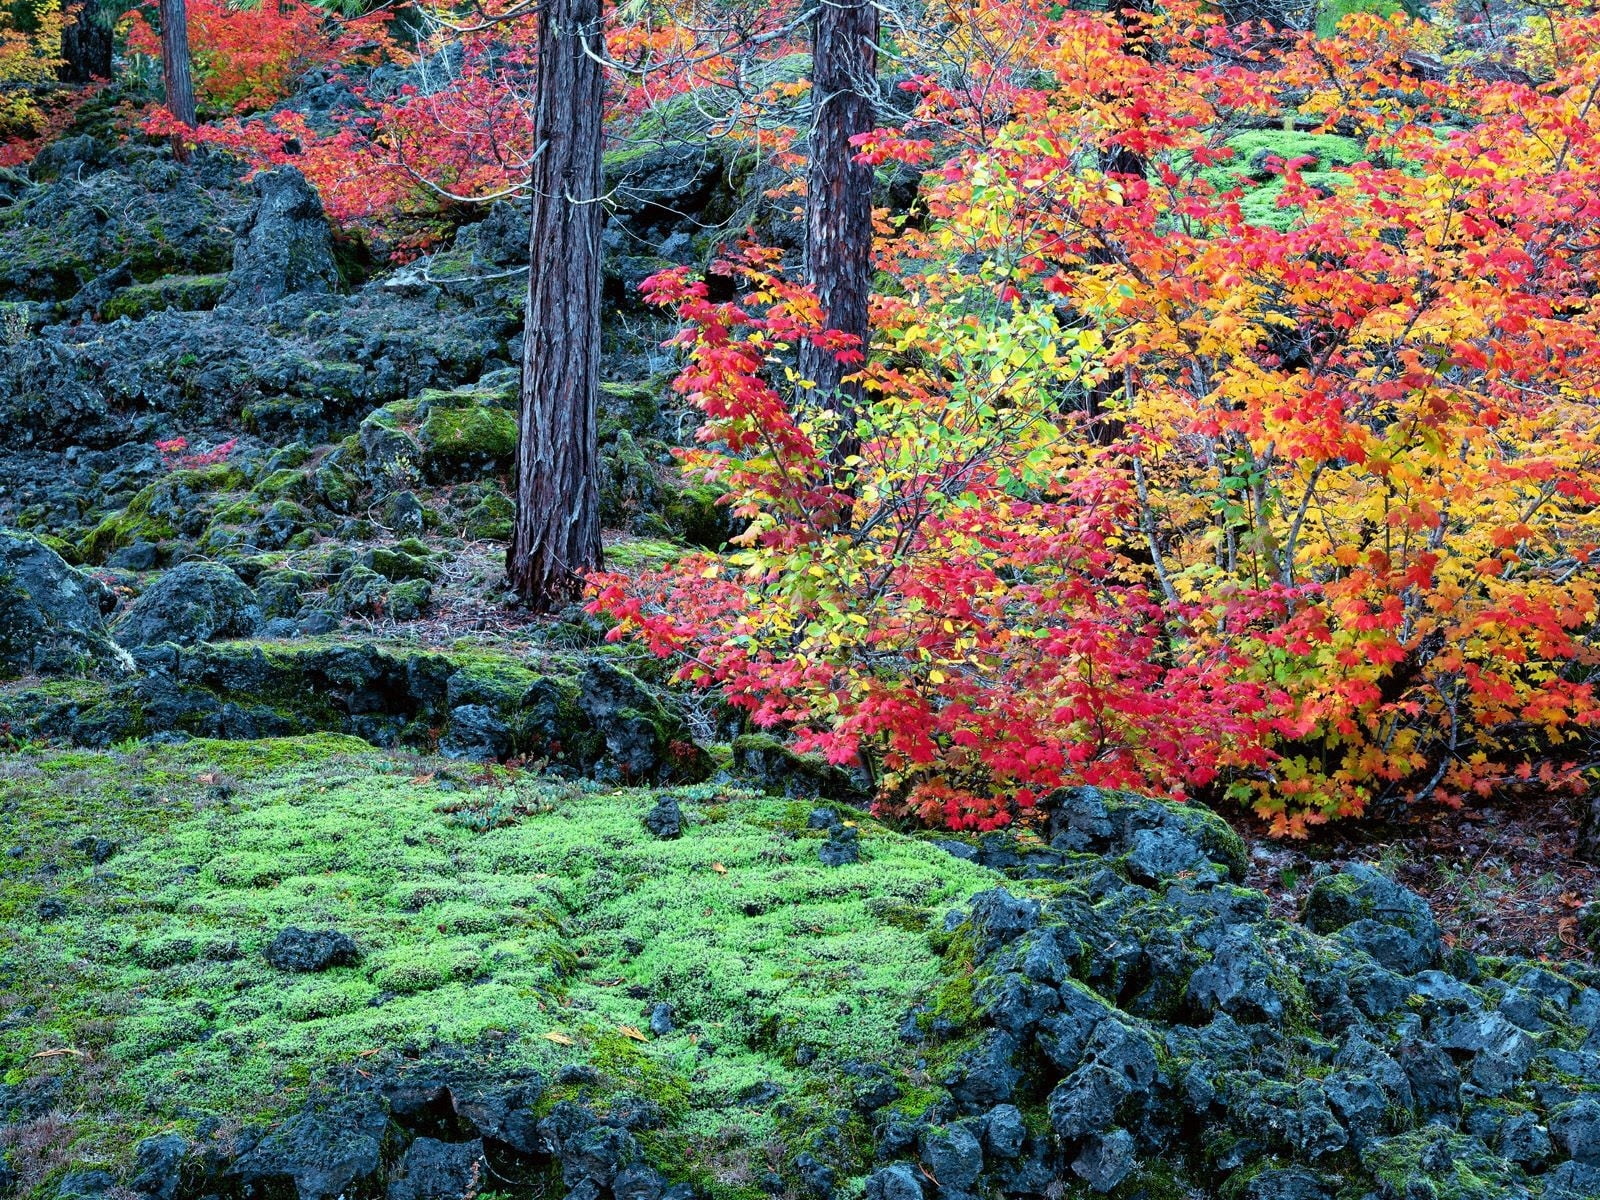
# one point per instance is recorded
(304, 951)
(288, 248)
(193, 603)
(328, 1150)
(52, 617)
(435, 1170)
(645, 741)
(1373, 913)
(159, 1160)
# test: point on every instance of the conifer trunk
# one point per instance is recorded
(175, 69)
(556, 537)
(86, 43)
(839, 194)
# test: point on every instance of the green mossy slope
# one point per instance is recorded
(525, 922)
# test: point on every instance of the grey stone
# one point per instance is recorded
(51, 616)
(288, 248)
(1374, 914)
(1106, 1160)
(893, 1183)
(435, 1170)
(157, 1164)
(305, 951)
(665, 820)
(1575, 1128)
(192, 603)
(326, 1152)
(953, 1156)
(1004, 1131)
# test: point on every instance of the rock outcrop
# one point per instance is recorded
(52, 617)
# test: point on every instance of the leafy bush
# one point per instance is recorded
(1155, 492)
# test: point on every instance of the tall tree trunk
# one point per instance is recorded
(175, 69)
(557, 532)
(839, 195)
(86, 43)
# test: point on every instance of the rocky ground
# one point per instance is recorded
(327, 874)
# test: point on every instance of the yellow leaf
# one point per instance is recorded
(719, 868)
(557, 1037)
(630, 1031)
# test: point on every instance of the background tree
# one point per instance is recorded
(86, 42)
(556, 538)
(176, 71)
(839, 195)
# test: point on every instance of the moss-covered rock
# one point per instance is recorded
(490, 519)
(776, 768)
(51, 615)
(193, 603)
(465, 435)
(179, 505)
(187, 293)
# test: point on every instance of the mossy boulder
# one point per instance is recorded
(1153, 841)
(179, 505)
(490, 519)
(645, 741)
(52, 616)
(465, 436)
(397, 565)
(192, 603)
(778, 769)
(186, 293)
(1372, 912)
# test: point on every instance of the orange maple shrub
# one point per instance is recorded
(1345, 437)
(248, 58)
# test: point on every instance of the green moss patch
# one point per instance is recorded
(187, 293)
(537, 938)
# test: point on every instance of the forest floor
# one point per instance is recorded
(1501, 878)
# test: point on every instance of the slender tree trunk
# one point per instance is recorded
(557, 532)
(175, 68)
(839, 195)
(86, 43)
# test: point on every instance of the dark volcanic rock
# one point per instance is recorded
(502, 1115)
(1377, 915)
(84, 1185)
(159, 1161)
(645, 741)
(306, 950)
(288, 248)
(842, 847)
(329, 1150)
(435, 1170)
(51, 616)
(196, 602)
(665, 820)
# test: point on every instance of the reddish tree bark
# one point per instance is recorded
(839, 194)
(557, 533)
(176, 73)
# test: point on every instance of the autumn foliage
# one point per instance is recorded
(247, 57)
(1165, 486)
(29, 56)
(1229, 425)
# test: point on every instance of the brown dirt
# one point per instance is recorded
(1501, 878)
